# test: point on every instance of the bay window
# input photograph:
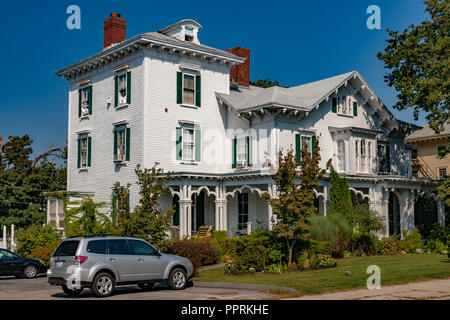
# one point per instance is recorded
(341, 155)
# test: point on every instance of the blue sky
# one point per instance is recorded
(293, 42)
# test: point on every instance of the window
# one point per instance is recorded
(341, 155)
(85, 101)
(67, 248)
(122, 144)
(84, 151)
(5, 255)
(242, 211)
(307, 140)
(142, 249)
(122, 94)
(188, 144)
(357, 154)
(188, 34)
(384, 166)
(241, 152)
(414, 154)
(369, 156)
(118, 247)
(363, 156)
(344, 105)
(96, 246)
(443, 172)
(188, 89)
(123, 89)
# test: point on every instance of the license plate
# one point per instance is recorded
(59, 264)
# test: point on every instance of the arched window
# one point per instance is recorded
(341, 155)
(357, 154)
(363, 156)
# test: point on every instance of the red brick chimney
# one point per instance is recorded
(241, 72)
(114, 30)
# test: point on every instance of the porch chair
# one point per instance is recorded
(203, 232)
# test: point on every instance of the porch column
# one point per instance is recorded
(325, 200)
(224, 216)
(441, 212)
(406, 211)
(49, 203)
(185, 227)
(57, 213)
(273, 193)
(218, 215)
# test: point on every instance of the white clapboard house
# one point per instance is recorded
(166, 97)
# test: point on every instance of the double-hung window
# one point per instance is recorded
(363, 156)
(122, 85)
(122, 89)
(357, 154)
(242, 211)
(121, 143)
(84, 151)
(341, 155)
(188, 89)
(85, 101)
(241, 152)
(188, 144)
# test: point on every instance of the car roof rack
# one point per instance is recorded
(103, 235)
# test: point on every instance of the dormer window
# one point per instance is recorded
(189, 34)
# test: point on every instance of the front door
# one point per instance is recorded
(120, 255)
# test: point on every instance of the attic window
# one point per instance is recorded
(189, 34)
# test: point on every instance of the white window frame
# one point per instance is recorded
(84, 151)
(309, 137)
(122, 100)
(241, 155)
(121, 147)
(85, 101)
(183, 74)
(340, 156)
(363, 163)
(189, 34)
(186, 142)
(357, 154)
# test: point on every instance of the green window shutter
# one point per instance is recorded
(334, 105)
(233, 153)
(79, 154)
(90, 99)
(79, 103)
(179, 88)
(116, 89)
(127, 147)
(89, 151)
(198, 145)
(115, 142)
(313, 144)
(248, 142)
(198, 94)
(128, 87)
(179, 145)
(355, 108)
(298, 149)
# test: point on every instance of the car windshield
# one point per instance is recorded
(67, 248)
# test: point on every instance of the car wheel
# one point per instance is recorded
(30, 271)
(146, 286)
(177, 279)
(71, 292)
(103, 285)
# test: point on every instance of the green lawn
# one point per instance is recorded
(394, 269)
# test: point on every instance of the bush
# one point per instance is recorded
(36, 236)
(364, 243)
(311, 261)
(366, 220)
(436, 246)
(200, 254)
(412, 242)
(43, 253)
(389, 246)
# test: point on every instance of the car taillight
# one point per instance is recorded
(78, 260)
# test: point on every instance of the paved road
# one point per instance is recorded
(39, 289)
(423, 290)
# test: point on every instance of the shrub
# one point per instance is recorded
(412, 242)
(43, 253)
(311, 261)
(389, 246)
(364, 243)
(36, 236)
(436, 246)
(199, 253)
(367, 220)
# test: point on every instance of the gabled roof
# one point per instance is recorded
(427, 133)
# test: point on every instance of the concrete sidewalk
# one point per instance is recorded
(423, 290)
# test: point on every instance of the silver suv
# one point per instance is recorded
(101, 262)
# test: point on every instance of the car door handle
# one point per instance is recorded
(140, 260)
(112, 259)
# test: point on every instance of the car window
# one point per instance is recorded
(118, 247)
(97, 246)
(142, 248)
(67, 248)
(5, 255)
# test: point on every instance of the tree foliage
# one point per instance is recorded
(267, 83)
(444, 192)
(339, 193)
(419, 63)
(148, 220)
(24, 180)
(36, 236)
(295, 204)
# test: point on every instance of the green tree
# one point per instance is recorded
(267, 83)
(444, 192)
(85, 219)
(23, 181)
(340, 195)
(148, 220)
(295, 204)
(36, 236)
(419, 63)
(120, 205)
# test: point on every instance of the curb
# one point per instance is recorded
(242, 286)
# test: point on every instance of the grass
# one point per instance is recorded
(394, 270)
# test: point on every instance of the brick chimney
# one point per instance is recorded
(241, 72)
(114, 30)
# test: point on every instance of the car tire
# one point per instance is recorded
(103, 285)
(30, 271)
(71, 292)
(146, 286)
(177, 279)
